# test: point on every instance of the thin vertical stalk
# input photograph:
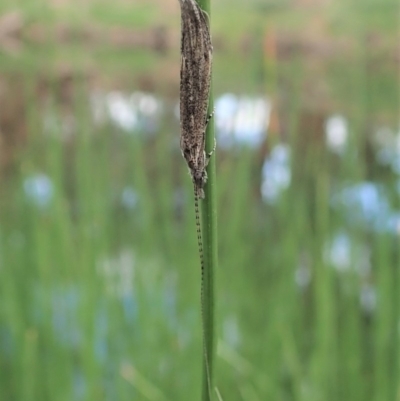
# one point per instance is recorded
(209, 231)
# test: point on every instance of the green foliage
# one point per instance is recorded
(99, 296)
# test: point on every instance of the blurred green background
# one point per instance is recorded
(99, 270)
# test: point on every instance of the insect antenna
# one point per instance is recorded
(201, 253)
(199, 238)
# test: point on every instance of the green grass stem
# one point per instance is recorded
(209, 232)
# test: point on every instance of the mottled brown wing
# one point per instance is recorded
(196, 58)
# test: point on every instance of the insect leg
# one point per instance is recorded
(209, 154)
(209, 117)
